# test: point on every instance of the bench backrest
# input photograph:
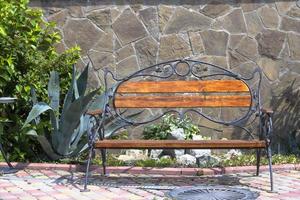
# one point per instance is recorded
(184, 86)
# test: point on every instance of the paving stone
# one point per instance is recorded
(146, 50)
(150, 18)
(164, 15)
(294, 45)
(290, 24)
(215, 9)
(254, 23)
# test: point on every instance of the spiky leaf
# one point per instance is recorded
(82, 80)
(47, 147)
(71, 120)
(53, 90)
(34, 101)
(69, 96)
(116, 124)
(37, 110)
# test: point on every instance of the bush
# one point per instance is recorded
(27, 56)
(162, 130)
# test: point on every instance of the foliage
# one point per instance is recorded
(27, 56)
(68, 128)
(169, 123)
(250, 159)
(162, 162)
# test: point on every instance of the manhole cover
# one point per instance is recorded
(212, 193)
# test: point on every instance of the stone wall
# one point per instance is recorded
(129, 35)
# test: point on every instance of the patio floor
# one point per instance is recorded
(59, 184)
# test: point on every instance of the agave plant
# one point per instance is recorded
(69, 127)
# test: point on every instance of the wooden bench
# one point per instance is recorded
(182, 87)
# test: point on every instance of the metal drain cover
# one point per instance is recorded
(212, 193)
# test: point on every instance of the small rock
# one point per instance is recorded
(165, 157)
(232, 153)
(155, 153)
(178, 152)
(178, 133)
(186, 160)
(207, 161)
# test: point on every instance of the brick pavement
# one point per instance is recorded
(59, 184)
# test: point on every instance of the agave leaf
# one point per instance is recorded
(82, 145)
(116, 124)
(34, 101)
(98, 102)
(69, 96)
(82, 80)
(45, 145)
(72, 118)
(83, 127)
(37, 110)
(53, 90)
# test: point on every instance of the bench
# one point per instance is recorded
(183, 87)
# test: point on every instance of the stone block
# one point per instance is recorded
(127, 67)
(294, 46)
(290, 24)
(215, 42)
(150, 18)
(173, 47)
(101, 60)
(269, 17)
(196, 42)
(81, 32)
(270, 68)
(146, 50)
(125, 52)
(185, 20)
(248, 48)
(128, 28)
(215, 9)
(164, 15)
(234, 22)
(254, 23)
(101, 18)
(266, 45)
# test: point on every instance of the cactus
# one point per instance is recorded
(69, 127)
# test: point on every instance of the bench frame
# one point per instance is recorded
(171, 68)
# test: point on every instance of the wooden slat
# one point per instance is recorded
(179, 144)
(181, 101)
(183, 86)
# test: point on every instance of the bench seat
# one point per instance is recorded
(179, 144)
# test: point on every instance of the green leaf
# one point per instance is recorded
(37, 110)
(70, 95)
(2, 31)
(53, 90)
(72, 118)
(82, 80)
(116, 124)
(47, 147)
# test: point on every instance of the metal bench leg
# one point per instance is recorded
(103, 154)
(258, 154)
(87, 171)
(269, 155)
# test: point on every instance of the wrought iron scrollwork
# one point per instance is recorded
(193, 69)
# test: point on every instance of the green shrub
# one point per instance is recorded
(162, 130)
(27, 56)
